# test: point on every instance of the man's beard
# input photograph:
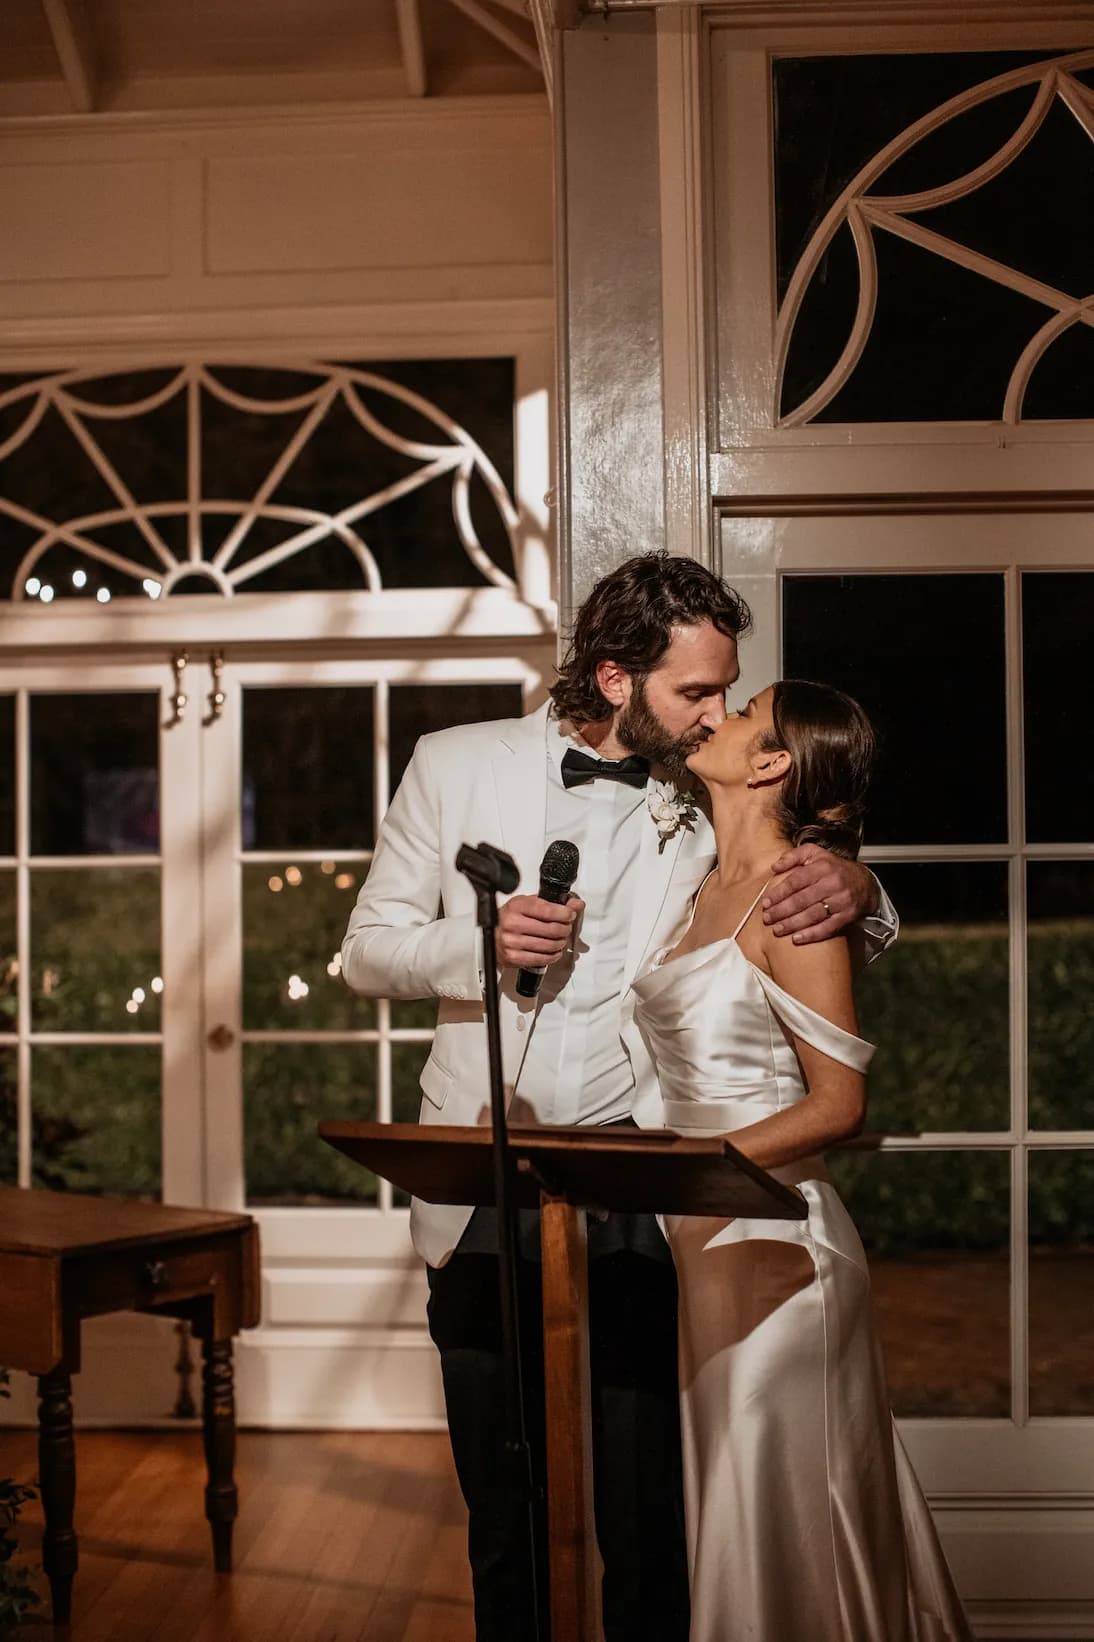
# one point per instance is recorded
(641, 731)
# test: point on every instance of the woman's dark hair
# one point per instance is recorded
(831, 744)
(628, 618)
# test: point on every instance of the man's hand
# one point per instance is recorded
(817, 895)
(533, 934)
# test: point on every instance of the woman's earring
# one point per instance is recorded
(750, 782)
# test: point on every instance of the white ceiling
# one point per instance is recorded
(101, 56)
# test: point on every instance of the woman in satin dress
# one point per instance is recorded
(805, 1521)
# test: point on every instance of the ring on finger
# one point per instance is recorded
(827, 909)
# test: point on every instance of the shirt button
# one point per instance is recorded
(522, 1024)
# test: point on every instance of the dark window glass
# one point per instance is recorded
(7, 775)
(288, 1088)
(95, 950)
(937, 1004)
(96, 1119)
(345, 459)
(942, 346)
(294, 918)
(1061, 1282)
(1060, 901)
(833, 114)
(936, 1227)
(1057, 631)
(308, 768)
(94, 765)
(923, 654)
(418, 709)
(943, 340)
(1062, 384)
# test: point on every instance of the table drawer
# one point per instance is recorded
(151, 1276)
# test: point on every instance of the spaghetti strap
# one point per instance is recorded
(750, 911)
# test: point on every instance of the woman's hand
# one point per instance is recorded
(817, 895)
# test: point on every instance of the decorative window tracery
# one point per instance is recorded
(952, 276)
(226, 479)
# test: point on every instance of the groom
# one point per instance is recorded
(653, 652)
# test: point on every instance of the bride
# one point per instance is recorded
(805, 1522)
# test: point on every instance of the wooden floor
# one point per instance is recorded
(341, 1535)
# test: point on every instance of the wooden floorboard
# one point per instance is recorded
(341, 1536)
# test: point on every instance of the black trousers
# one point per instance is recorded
(638, 1486)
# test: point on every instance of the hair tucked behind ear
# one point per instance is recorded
(831, 744)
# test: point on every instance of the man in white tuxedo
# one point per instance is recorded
(653, 654)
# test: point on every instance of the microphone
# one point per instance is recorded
(557, 872)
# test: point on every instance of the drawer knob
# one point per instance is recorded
(156, 1273)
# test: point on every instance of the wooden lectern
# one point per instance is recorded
(564, 1172)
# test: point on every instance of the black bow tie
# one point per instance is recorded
(579, 767)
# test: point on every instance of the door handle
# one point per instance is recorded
(221, 1037)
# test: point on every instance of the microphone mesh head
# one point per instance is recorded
(560, 862)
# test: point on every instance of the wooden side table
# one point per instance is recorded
(63, 1258)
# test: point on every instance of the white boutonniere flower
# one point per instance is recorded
(671, 810)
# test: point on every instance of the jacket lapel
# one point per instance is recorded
(519, 769)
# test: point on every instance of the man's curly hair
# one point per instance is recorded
(629, 617)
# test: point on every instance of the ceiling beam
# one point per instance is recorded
(412, 46)
(517, 44)
(72, 40)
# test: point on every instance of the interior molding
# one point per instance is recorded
(910, 502)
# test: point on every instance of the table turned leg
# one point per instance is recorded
(57, 1481)
(219, 1430)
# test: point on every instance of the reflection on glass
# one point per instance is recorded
(96, 1119)
(418, 709)
(1060, 899)
(95, 950)
(1061, 1282)
(294, 918)
(937, 1003)
(936, 1228)
(289, 1088)
(307, 768)
(407, 1060)
(94, 774)
(7, 775)
(1057, 622)
(916, 651)
(9, 1119)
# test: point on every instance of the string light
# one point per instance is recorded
(297, 988)
(79, 578)
(103, 595)
(151, 587)
(327, 867)
(275, 883)
(293, 876)
(156, 983)
(344, 880)
(46, 595)
(132, 1006)
(335, 965)
(33, 586)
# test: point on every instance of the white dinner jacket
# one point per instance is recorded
(412, 933)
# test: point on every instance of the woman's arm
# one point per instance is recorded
(834, 1106)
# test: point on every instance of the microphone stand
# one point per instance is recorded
(491, 872)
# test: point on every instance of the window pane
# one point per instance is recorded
(307, 768)
(96, 1119)
(937, 1003)
(294, 918)
(289, 1088)
(914, 650)
(1061, 1282)
(9, 1119)
(95, 950)
(94, 774)
(418, 709)
(1057, 624)
(936, 1226)
(7, 775)
(1061, 985)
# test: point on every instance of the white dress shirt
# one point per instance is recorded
(576, 1068)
